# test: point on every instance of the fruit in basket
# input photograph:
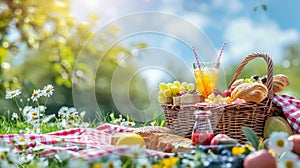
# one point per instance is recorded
(276, 124)
(250, 92)
(260, 159)
(168, 91)
(216, 99)
(131, 139)
(296, 141)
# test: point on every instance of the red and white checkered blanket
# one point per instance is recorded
(291, 109)
(88, 143)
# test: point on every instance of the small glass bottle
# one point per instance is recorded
(202, 131)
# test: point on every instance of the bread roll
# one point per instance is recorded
(280, 82)
(250, 92)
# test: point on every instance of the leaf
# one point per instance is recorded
(255, 8)
(265, 7)
(251, 136)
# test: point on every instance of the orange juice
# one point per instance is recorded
(206, 80)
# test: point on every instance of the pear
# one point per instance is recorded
(277, 124)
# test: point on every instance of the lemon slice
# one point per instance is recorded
(131, 139)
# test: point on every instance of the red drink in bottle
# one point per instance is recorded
(202, 131)
(201, 139)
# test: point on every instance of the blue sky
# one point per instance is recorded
(233, 21)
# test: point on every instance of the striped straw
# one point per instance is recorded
(196, 56)
(219, 57)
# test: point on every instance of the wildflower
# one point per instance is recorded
(143, 162)
(117, 121)
(237, 150)
(288, 160)
(188, 163)
(26, 110)
(128, 124)
(135, 151)
(72, 112)
(113, 163)
(26, 158)
(63, 111)
(12, 93)
(169, 162)
(36, 95)
(42, 109)
(14, 116)
(48, 118)
(48, 90)
(279, 144)
(97, 165)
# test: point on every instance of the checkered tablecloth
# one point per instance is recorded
(88, 143)
(291, 109)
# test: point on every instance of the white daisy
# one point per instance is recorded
(188, 163)
(63, 111)
(289, 160)
(116, 163)
(128, 124)
(36, 95)
(12, 93)
(42, 108)
(135, 151)
(48, 90)
(279, 144)
(143, 162)
(72, 113)
(26, 110)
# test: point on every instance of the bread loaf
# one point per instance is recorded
(280, 82)
(161, 142)
(250, 92)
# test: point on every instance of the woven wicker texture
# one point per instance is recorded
(228, 119)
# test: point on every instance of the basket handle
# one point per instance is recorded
(270, 75)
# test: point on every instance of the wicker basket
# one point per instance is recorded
(228, 119)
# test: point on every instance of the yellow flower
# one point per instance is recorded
(97, 165)
(237, 150)
(169, 162)
(251, 148)
(155, 166)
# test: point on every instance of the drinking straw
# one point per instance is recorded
(219, 57)
(196, 56)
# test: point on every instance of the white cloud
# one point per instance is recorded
(232, 6)
(245, 37)
(199, 20)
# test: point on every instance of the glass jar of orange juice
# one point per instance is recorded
(206, 77)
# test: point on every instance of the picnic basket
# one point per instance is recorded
(228, 119)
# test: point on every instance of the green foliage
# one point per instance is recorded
(262, 5)
(251, 137)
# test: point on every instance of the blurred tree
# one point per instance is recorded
(48, 39)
